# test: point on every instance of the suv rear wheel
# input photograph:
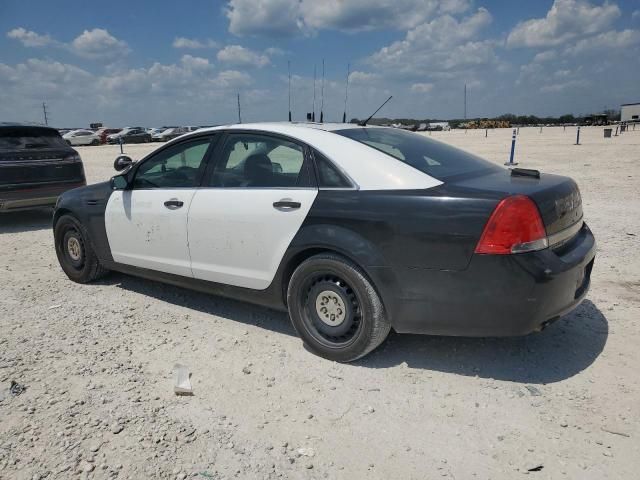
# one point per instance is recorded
(335, 309)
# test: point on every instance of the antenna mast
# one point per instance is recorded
(44, 111)
(346, 93)
(322, 95)
(465, 101)
(289, 70)
(239, 117)
(313, 112)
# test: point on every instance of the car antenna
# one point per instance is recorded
(313, 112)
(364, 122)
(346, 93)
(289, 70)
(239, 117)
(322, 95)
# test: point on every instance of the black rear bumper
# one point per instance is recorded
(35, 196)
(497, 295)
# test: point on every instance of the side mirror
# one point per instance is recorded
(119, 182)
(122, 162)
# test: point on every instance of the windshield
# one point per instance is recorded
(19, 138)
(436, 159)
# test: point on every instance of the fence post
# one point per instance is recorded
(486, 132)
(120, 142)
(578, 136)
(510, 163)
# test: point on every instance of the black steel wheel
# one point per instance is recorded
(335, 308)
(74, 251)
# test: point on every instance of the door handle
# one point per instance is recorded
(286, 205)
(173, 204)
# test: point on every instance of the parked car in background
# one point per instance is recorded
(103, 133)
(130, 135)
(82, 137)
(36, 165)
(169, 134)
(192, 128)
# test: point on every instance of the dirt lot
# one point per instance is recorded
(97, 362)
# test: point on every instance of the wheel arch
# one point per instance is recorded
(318, 239)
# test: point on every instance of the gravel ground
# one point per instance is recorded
(96, 361)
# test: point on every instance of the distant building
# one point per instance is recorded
(630, 112)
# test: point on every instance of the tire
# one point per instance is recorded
(335, 308)
(75, 252)
(95, 143)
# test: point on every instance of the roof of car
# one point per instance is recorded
(24, 125)
(277, 126)
(371, 169)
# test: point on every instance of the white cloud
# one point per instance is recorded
(605, 42)
(29, 38)
(241, 56)
(289, 17)
(635, 15)
(194, 44)
(566, 20)
(545, 56)
(357, 77)
(561, 87)
(263, 17)
(99, 44)
(443, 44)
(422, 87)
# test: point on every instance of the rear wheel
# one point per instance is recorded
(95, 142)
(335, 309)
(75, 253)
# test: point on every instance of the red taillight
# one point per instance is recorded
(515, 226)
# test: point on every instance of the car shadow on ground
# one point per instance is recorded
(564, 349)
(25, 220)
(226, 308)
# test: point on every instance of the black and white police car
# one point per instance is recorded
(355, 230)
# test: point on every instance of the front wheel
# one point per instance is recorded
(335, 309)
(74, 251)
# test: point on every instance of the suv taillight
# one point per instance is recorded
(515, 226)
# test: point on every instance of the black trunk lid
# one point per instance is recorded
(557, 197)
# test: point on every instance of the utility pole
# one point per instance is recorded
(44, 111)
(465, 101)
(239, 117)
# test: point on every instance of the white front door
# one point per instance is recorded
(147, 224)
(242, 222)
(148, 229)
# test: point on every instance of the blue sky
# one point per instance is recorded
(183, 62)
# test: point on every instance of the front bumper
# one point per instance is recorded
(497, 295)
(35, 196)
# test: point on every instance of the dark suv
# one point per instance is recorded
(36, 165)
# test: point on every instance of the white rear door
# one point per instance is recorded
(147, 224)
(241, 224)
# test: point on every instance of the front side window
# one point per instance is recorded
(179, 166)
(257, 161)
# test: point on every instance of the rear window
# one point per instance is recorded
(20, 138)
(436, 159)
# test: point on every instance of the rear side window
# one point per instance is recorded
(260, 161)
(30, 138)
(434, 158)
(328, 175)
